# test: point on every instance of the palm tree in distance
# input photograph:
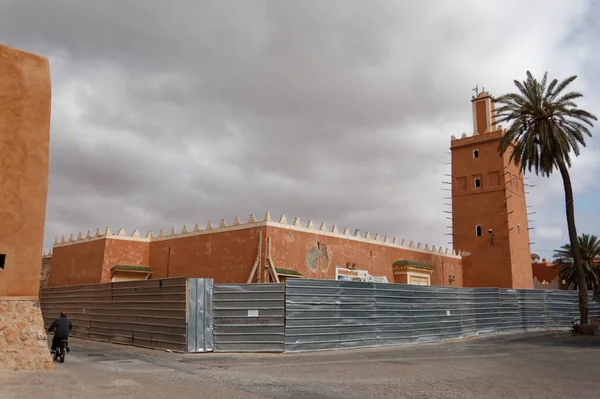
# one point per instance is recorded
(589, 247)
(546, 127)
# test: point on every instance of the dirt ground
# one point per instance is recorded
(507, 366)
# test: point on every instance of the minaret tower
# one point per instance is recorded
(489, 214)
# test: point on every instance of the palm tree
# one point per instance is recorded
(546, 127)
(590, 255)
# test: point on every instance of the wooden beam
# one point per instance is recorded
(257, 261)
(272, 270)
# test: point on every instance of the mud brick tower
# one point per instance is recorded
(489, 214)
(24, 143)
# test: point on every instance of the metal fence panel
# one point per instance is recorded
(146, 313)
(200, 318)
(323, 315)
(248, 317)
(486, 307)
(510, 315)
(327, 314)
(532, 309)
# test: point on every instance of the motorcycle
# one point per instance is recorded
(61, 351)
(576, 328)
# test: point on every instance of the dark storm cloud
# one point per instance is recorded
(340, 111)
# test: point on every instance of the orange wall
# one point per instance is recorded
(298, 250)
(226, 256)
(79, 263)
(496, 205)
(24, 140)
(123, 252)
(488, 265)
(522, 274)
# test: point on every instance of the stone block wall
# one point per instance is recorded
(23, 340)
(46, 265)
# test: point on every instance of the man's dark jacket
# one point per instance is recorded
(63, 327)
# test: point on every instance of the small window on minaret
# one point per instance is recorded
(478, 231)
(475, 153)
(477, 183)
(514, 181)
(519, 228)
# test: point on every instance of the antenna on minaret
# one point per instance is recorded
(476, 90)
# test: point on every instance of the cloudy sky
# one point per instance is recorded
(181, 112)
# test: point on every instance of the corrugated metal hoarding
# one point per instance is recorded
(146, 313)
(322, 314)
(200, 318)
(249, 317)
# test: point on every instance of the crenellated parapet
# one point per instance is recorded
(252, 222)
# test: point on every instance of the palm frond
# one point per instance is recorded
(546, 126)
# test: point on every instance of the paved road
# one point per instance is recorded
(508, 366)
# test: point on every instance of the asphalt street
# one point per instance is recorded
(505, 366)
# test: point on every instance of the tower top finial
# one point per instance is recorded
(484, 114)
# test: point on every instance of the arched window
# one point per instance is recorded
(475, 153)
(519, 228)
(477, 183)
(478, 231)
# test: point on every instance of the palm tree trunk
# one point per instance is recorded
(569, 203)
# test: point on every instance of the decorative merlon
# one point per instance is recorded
(237, 224)
(268, 217)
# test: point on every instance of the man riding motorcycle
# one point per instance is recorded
(63, 327)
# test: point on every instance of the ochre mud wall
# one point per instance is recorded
(24, 144)
(317, 256)
(226, 256)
